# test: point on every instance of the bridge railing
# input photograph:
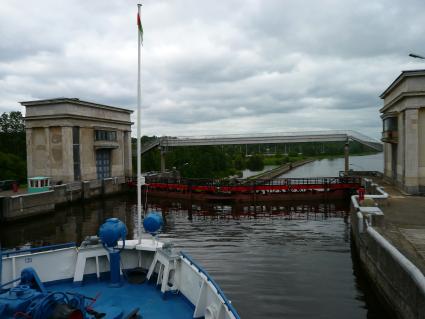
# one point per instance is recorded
(272, 134)
(149, 145)
(275, 137)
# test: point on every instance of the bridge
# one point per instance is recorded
(263, 138)
(165, 142)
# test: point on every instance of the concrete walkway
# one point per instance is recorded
(282, 169)
(7, 193)
(404, 223)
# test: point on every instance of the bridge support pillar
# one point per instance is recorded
(346, 157)
(162, 161)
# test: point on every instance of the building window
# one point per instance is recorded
(390, 124)
(76, 152)
(103, 135)
(103, 163)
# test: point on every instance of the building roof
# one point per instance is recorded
(62, 100)
(400, 78)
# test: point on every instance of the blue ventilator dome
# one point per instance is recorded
(112, 231)
(153, 222)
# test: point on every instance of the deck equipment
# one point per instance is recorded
(110, 232)
(153, 223)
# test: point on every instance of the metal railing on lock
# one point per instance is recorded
(251, 185)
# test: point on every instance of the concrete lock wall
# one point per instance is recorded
(399, 288)
(27, 205)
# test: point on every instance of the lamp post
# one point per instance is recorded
(416, 56)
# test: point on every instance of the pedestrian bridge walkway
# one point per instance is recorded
(263, 138)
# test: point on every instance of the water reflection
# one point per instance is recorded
(67, 224)
(74, 222)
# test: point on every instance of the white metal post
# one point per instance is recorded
(139, 168)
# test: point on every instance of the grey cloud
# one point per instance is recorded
(212, 67)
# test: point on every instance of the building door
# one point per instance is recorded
(103, 163)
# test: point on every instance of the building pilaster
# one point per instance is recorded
(411, 181)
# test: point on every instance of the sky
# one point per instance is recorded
(214, 67)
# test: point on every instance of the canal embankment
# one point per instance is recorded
(389, 236)
(23, 205)
(282, 169)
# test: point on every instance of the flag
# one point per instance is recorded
(139, 25)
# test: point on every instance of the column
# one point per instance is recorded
(128, 170)
(68, 158)
(47, 164)
(162, 160)
(30, 169)
(346, 157)
(400, 149)
(411, 181)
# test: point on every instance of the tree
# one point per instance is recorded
(239, 162)
(12, 123)
(12, 146)
(12, 167)
(255, 163)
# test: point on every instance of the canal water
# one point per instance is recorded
(331, 167)
(273, 260)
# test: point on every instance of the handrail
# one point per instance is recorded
(415, 274)
(216, 286)
(9, 253)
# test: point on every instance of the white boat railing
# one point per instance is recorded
(213, 285)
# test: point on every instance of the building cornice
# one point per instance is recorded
(400, 78)
(74, 101)
(75, 117)
(389, 114)
(401, 97)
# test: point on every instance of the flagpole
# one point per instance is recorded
(139, 167)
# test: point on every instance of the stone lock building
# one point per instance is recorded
(403, 116)
(74, 140)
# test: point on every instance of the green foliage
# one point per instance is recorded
(200, 161)
(255, 163)
(12, 146)
(12, 167)
(12, 134)
(239, 162)
(12, 122)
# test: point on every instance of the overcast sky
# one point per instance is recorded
(212, 67)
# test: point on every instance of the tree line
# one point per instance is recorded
(12, 147)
